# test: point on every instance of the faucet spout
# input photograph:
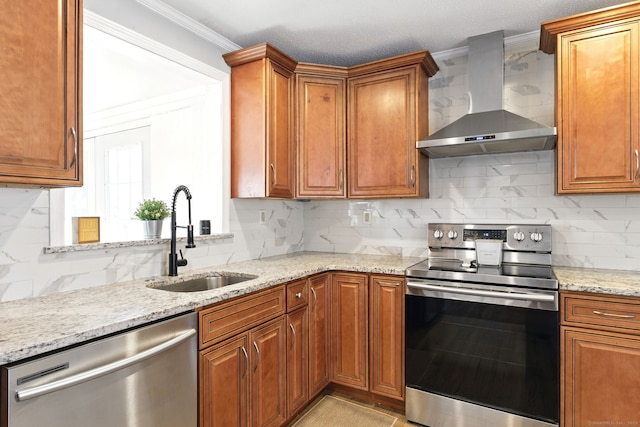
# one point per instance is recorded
(174, 262)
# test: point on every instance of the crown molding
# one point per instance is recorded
(511, 41)
(168, 12)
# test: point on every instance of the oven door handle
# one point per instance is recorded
(483, 293)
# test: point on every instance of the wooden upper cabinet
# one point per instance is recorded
(262, 127)
(321, 128)
(387, 114)
(40, 94)
(597, 111)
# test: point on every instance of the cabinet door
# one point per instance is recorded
(383, 159)
(597, 110)
(387, 335)
(319, 317)
(321, 136)
(349, 330)
(224, 384)
(40, 95)
(601, 378)
(268, 374)
(297, 360)
(280, 153)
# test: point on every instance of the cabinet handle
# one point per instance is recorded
(75, 146)
(342, 177)
(255, 368)
(637, 164)
(293, 330)
(246, 365)
(412, 176)
(299, 295)
(618, 316)
(315, 299)
(273, 170)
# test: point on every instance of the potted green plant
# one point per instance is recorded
(152, 212)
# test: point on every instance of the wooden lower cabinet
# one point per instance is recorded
(224, 388)
(601, 378)
(243, 379)
(319, 328)
(386, 339)
(600, 351)
(349, 308)
(297, 360)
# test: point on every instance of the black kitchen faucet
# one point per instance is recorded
(174, 262)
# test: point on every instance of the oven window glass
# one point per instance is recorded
(506, 358)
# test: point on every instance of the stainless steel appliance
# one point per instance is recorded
(482, 342)
(488, 128)
(146, 377)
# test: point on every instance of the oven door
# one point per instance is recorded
(485, 347)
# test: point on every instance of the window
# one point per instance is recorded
(151, 123)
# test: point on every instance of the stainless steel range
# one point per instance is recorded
(482, 328)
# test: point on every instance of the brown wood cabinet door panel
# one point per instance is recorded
(319, 340)
(40, 97)
(268, 374)
(598, 109)
(601, 379)
(387, 335)
(248, 130)
(224, 384)
(613, 314)
(230, 318)
(382, 134)
(280, 155)
(321, 136)
(297, 360)
(349, 299)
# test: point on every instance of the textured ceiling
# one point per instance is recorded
(349, 32)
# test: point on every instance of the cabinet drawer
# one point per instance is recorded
(224, 320)
(297, 294)
(616, 314)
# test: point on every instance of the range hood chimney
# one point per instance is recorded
(487, 128)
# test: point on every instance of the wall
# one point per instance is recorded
(601, 231)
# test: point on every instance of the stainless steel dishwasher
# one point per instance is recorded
(146, 377)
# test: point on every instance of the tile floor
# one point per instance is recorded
(402, 420)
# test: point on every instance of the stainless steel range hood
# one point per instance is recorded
(488, 128)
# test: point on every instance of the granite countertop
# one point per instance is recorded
(34, 326)
(612, 282)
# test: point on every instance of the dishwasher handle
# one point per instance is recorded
(33, 392)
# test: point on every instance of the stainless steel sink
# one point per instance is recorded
(206, 283)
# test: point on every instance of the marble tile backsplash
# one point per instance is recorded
(599, 231)
(26, 272)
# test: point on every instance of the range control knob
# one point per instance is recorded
(438, 234)
(452, 234)
(536, 237)
(519, 236)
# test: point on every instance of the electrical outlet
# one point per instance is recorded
(366, 217)
(262, 217)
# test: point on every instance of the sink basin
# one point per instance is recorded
(213, 281)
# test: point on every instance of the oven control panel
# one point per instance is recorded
(528, 237)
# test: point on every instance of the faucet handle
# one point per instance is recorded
(181, 262)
